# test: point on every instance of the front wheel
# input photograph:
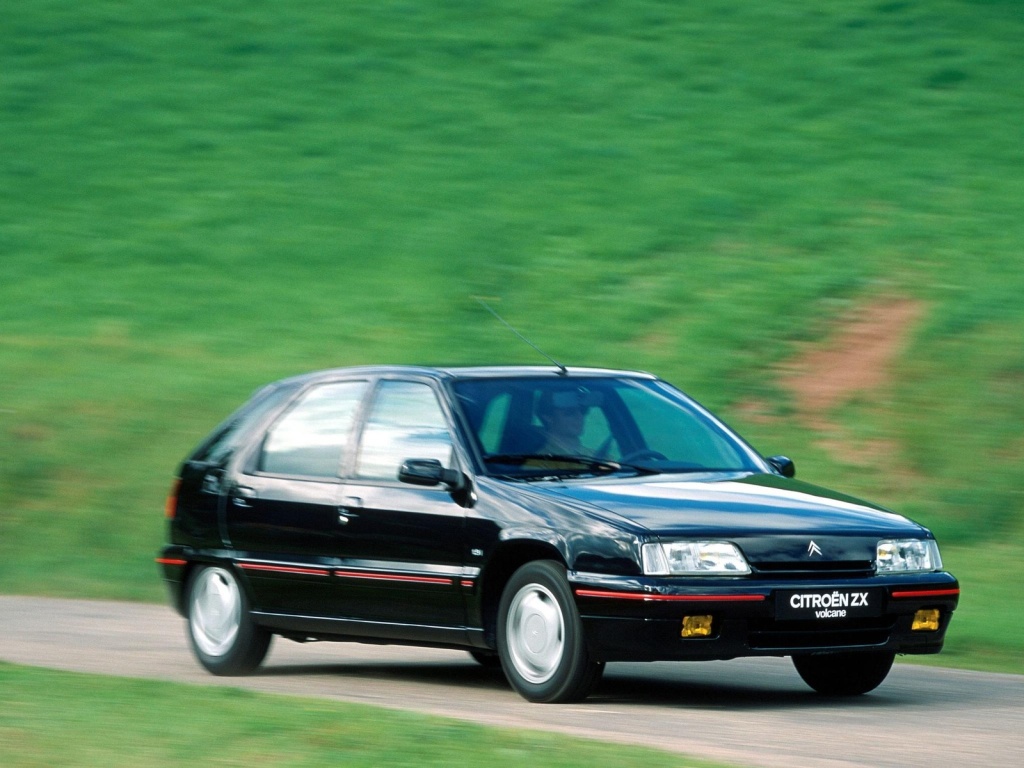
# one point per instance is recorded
(223, 635)
(540, 636)
(844, 674)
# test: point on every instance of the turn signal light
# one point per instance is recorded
(171, 506)
(926, 620)
(696, 626)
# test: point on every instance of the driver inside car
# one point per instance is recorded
(563, 414)
(562, 429)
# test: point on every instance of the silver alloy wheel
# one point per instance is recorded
(536, 633)
(215, 614)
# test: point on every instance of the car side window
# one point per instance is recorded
(232, 433)
(311, 438)
(405, 422)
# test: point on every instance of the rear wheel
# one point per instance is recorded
(223, 635)
(540, 636)
(844, 674)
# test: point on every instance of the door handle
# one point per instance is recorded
(345, 510)
(211, 484)
(242, 496)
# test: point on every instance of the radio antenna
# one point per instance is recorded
(562, 370)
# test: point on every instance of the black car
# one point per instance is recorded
(547, 519)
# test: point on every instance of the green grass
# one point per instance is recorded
(118, 722)
(987, 623)
(198, 198)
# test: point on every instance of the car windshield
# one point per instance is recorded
(538, 426)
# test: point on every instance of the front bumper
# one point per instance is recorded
(640, 619)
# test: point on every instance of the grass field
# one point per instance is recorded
(198, 198)
(141, 724)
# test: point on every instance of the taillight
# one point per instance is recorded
(171, 507)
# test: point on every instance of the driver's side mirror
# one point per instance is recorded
(429, 473)
(784, 464)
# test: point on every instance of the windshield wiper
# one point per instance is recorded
(545, 461)
(699, 470)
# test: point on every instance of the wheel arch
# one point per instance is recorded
(506, 560)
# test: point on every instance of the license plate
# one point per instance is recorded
(828, 605)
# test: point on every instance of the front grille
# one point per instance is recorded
(769, 634)
(846, 569)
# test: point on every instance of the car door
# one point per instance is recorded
(282, 508)
(402, 544)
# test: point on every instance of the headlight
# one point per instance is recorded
(907, 556)
(693, 557)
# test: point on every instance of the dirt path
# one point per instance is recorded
(747, 712)
(857, 358)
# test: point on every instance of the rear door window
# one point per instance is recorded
(311, 439)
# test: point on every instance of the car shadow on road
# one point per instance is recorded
(702, 694)
(451, 675)
(687, 687)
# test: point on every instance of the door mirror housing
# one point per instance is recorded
(430, 473)
(784, 465)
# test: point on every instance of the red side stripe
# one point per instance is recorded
(392, 577)
(468, 583)
(285, 569)
(345, 574)
(927, 593)
(647, 597)
(171, 561)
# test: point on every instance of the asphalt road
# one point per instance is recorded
(752, 712)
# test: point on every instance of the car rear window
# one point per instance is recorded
(223, 441)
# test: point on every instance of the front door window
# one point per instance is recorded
(406, 422)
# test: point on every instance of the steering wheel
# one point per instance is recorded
(643, 453)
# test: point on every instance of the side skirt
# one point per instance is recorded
(379, 632)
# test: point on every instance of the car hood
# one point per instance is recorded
(734, 506)
(779, 524)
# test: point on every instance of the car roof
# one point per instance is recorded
(465, 372)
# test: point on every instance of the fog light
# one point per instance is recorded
(926, 620)
(696, 626)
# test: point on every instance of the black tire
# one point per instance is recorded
(844, 674)
(543, 651)
(220, 629)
